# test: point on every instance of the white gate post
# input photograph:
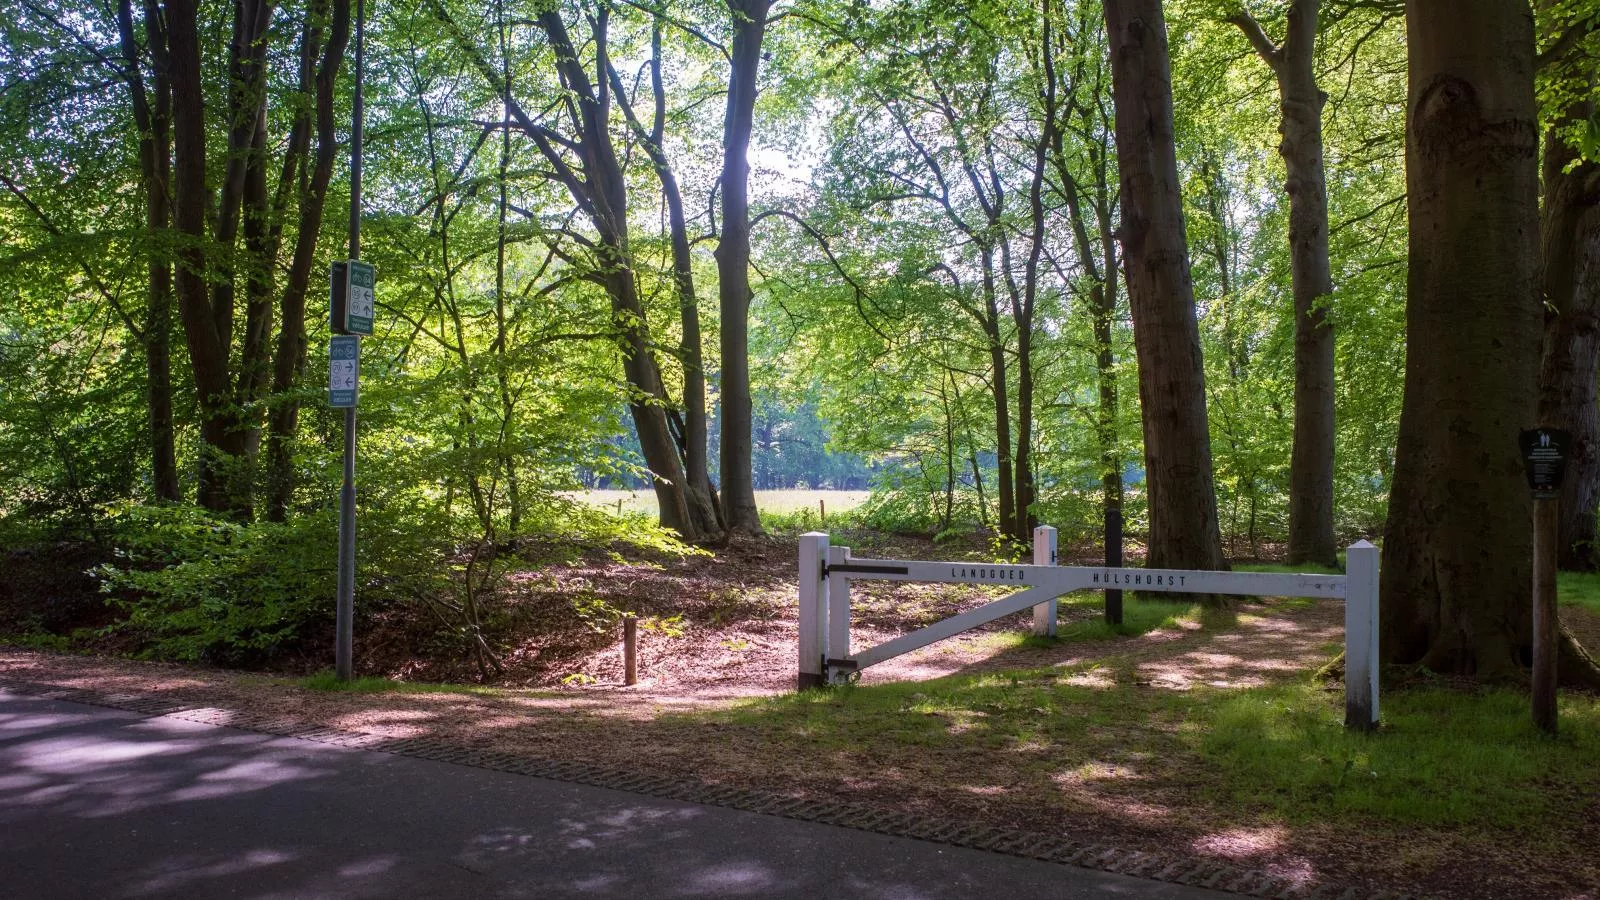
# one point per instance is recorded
(1361, 637)
(838, 625)
(1044, 554)
(813, 608)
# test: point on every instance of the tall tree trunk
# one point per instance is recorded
(1184, 533)
(607, 196)
(1457, 546)
(702, 495)
(1570, 239)
(1567, 397)
(1001, 393)
(1311, 536)
(155, 166)
(1102, 266)
(733, 265)
(289, 359)
(260, 258)
(208, 350)
(1024, 313)
(224, 479)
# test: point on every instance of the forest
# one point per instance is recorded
(1253, 274)
(662, 284)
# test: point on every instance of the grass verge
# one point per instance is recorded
(1280, 753)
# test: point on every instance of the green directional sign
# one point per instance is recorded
(353, 297)
(344, 370)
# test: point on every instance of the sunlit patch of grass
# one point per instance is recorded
(329, 682)
(1443, 758)
(1140, 615)
(1579, 589)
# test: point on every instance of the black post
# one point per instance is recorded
(345, 611)
(1113, 561)
(1546, 630)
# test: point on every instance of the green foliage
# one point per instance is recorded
(202, 588)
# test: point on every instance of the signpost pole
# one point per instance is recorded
(1544, 455)
(344, 646)
(1545, 630)
(1113, 561)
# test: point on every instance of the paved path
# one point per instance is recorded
(98, 803)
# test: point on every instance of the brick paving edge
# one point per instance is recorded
(1167, 867)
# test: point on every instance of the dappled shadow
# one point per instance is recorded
(105, 804)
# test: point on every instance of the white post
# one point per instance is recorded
(813, 608)
(837, 646)
(1361, 637)
(1044, 554)
(838, 625)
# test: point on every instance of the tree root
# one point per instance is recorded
(1576, 667)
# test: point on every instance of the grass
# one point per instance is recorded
(1280, 753)
(1140, 615)
(1579, 589)
(1443, 758)
(328, 682)
(1292, 570)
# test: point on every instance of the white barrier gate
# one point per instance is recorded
(826, 572)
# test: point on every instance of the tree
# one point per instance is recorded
(152, 114)
(314, 111)
(693, 433)
(1457, 545)
(1570, 244)
(1184, 532)
(733, 265)
(1311, 467)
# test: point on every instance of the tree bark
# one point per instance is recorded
(704, 508)
(1311, 537)
(224, 479)
(290, 356)
(1457, 545)
(733, 265)
(607, 202)
(1570, 241)
(1184, 532)
(1567, 397)
(153, 119)
(208, 351)
(1000, 390)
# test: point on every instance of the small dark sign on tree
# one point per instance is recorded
(1544, 457)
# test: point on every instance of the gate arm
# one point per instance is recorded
(954, 625)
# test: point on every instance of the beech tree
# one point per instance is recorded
(749, 24)
(1311, 467)
(1457, 545)
(1184, 533)
(1570, 244)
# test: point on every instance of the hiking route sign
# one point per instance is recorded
(353, 297)
(344, 370)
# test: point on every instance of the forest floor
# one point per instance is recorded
(1204, 732)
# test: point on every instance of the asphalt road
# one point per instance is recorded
(98, 803)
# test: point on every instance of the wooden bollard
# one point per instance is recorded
(630, 650)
